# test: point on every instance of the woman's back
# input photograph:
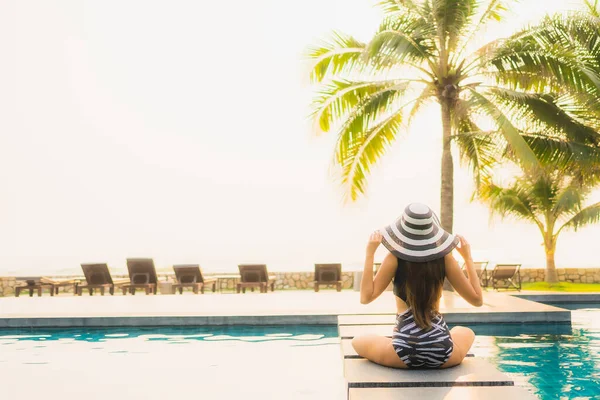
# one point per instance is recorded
(419, 286)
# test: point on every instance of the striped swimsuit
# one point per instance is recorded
(419, 348)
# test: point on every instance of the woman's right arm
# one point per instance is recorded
(469, 288)
(371, 288)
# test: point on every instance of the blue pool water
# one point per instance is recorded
(242, 333)
(552, 361)
(156, 363)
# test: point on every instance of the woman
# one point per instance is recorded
(419, 259)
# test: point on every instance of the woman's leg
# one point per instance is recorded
(377, 349)
(463, 340)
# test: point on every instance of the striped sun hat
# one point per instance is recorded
(417, 235)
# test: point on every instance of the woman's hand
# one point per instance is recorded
(374, 241)
(464, 248)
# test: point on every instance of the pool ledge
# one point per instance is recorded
(552, 297)
(278, 308)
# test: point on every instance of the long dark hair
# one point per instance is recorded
(424, 283)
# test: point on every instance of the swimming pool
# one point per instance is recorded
(552, 361)
(296, 362)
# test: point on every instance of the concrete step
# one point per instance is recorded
(361, 373)
(446, 393)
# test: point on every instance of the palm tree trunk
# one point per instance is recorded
(551, 276)
(447, 190)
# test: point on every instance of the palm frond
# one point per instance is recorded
(338, 54)
(523, 153)
(364, 116)
(568, 200)
(494, 11)
(452, 18)
(356, 161)
(426, 95)
(549, 112)
(542, 192)
(401, 38)
(338, 98)
(592, 8)
(411, 7)
(550, 51)
(562, 154)
(587, 216)
(478, 149)
(512, 201)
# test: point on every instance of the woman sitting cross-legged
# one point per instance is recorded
(419, 259)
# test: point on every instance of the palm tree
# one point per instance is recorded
(552, 201)
(420, 53)
(550, 78)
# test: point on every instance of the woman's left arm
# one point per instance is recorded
(370, 288)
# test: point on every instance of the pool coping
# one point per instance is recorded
(258, 309)
(569, 297)
(162, 321)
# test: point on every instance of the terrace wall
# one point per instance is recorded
(7, 286)
(304, 280)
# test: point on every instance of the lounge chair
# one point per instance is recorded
(328, 274)
(506, 273)
(481, 270)
(191, 276)
(98, 276)
(39, 283)
(377, 265)
(33, 283)
(142, 275)
(255, 275)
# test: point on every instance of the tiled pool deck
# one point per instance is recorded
(284, 307)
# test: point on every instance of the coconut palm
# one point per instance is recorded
(559, 59)
(551, 201)
(421, 53)
(550, 78)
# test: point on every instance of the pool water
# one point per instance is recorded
(551, 361)
(297, 362)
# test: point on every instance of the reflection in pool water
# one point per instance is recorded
(210, 362)
(217, 333)
(552, 361)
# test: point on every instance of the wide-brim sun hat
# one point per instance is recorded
(417, 235)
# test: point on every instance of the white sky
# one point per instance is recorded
(177, 130)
